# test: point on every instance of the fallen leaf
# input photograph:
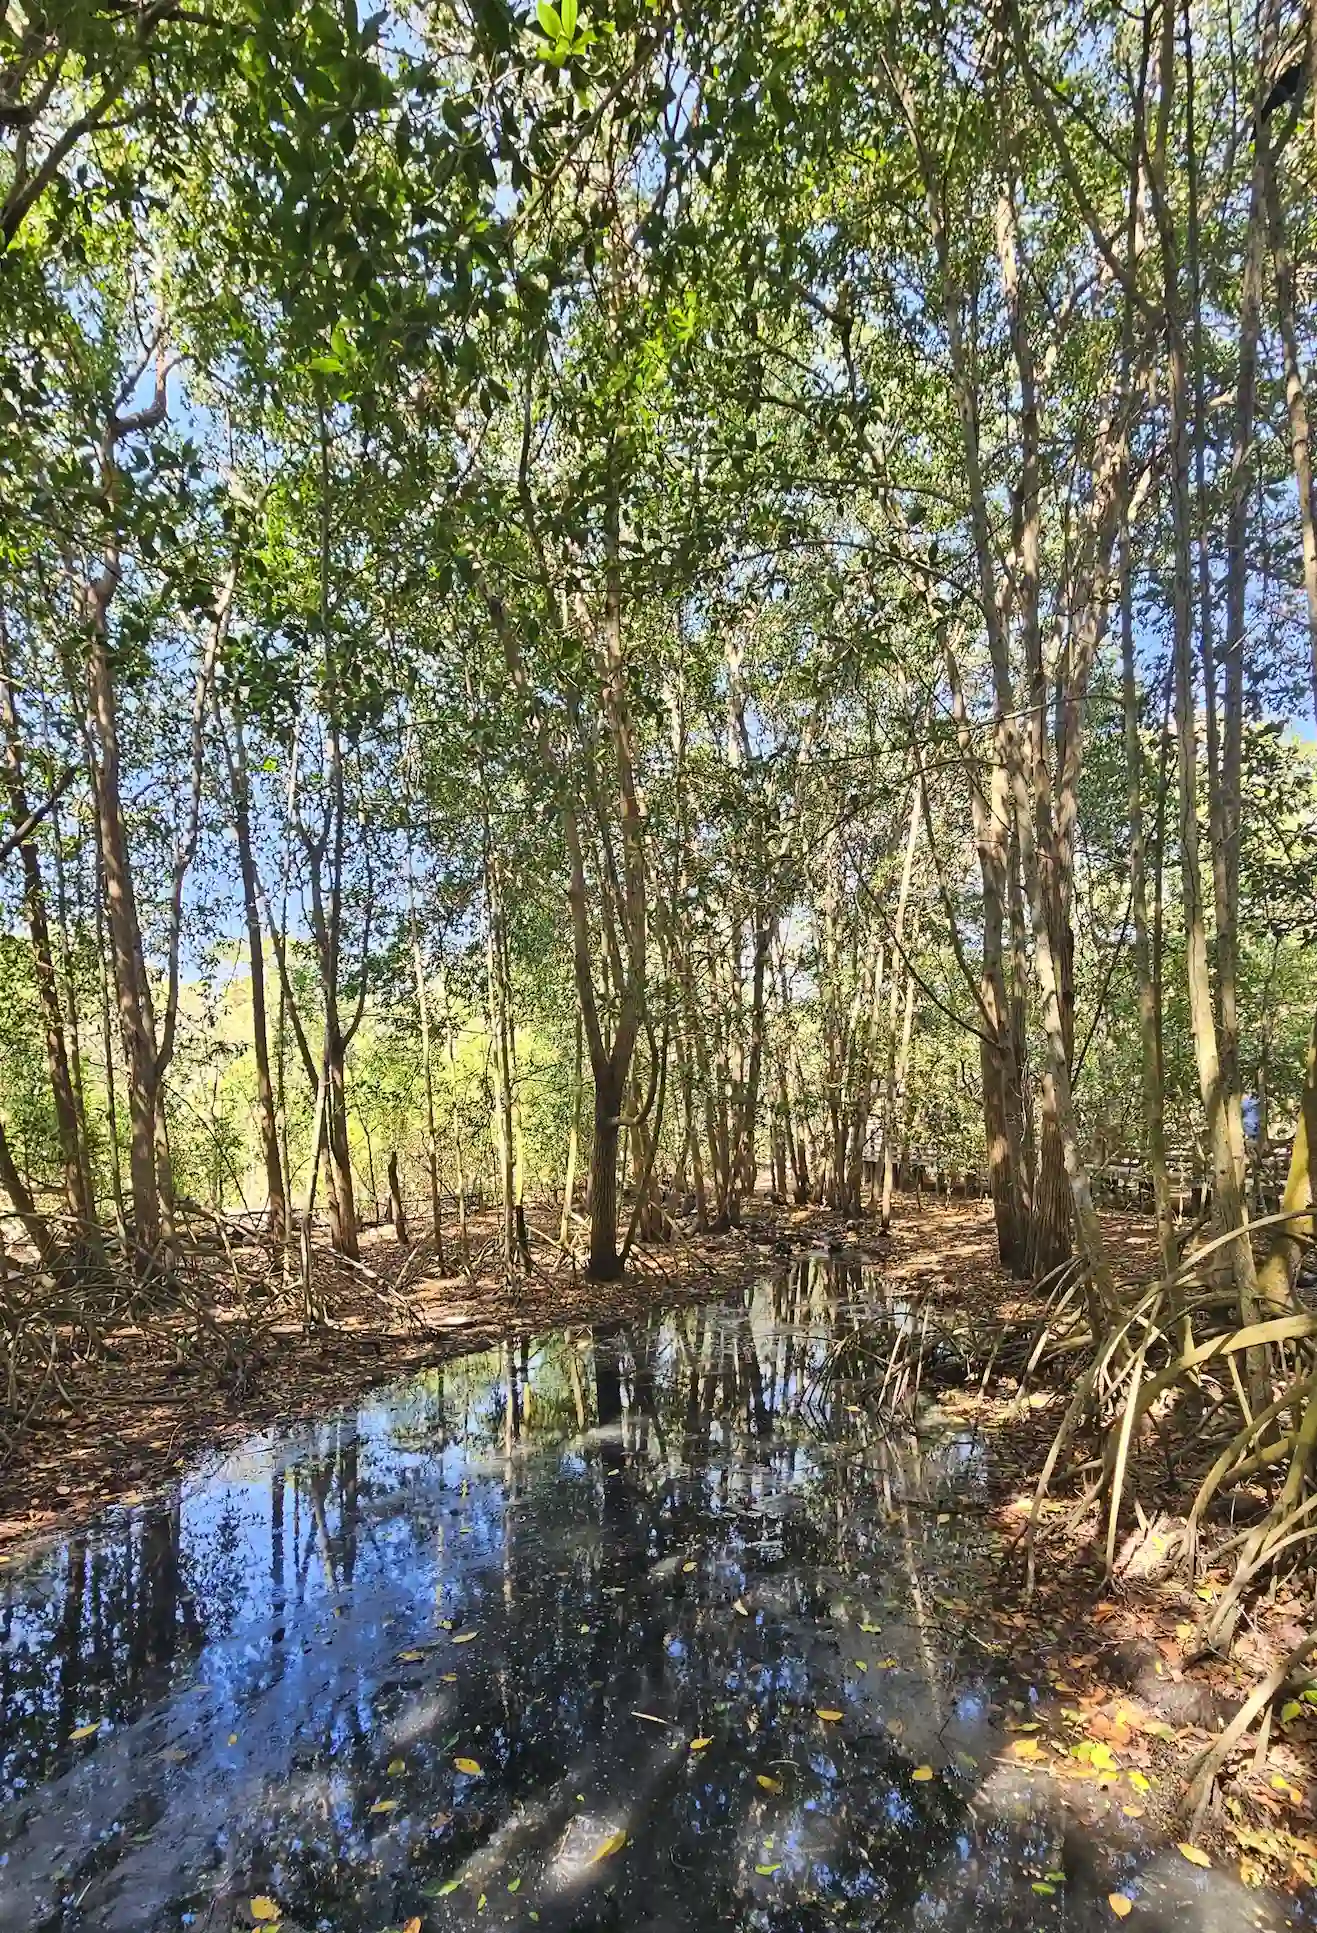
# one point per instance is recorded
(470, 1766)
(741, 1608)
(859, 1664)
(1120, 1905)
(448, 1677)
(614, 1843)
(385, 1805)
(413, 1925)
(85, 1731)
(463, 1637)
(923, 1773)
(828, 1715)
(449, 1886)
(1133, 1811)
(264, 1909)
(1043, 1886)
(766, 1872)
(1192, 1854)
(514, 1886)
(397, 1765)
(1025, 1748)
(698, 1744)
(233, 1738)
(769, 1785)
(690, 1567)
(410, 1657)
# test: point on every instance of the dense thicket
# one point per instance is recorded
(731, 588)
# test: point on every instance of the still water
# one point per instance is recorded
(663, 1627)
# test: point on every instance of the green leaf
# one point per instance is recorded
(550, 23)
(569, 12)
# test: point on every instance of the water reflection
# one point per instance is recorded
(693, 1581)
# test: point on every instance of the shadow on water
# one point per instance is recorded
(686, 1581)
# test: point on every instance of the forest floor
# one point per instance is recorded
(1123, 1704)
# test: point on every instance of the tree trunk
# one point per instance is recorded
(1227, 1189)
(236, 757)
(1276, 1276)
(136, 1023)
(397, 1213)
(1153, 1098)
(896, 1113)
(78, 1196)
(342, 1201)
(573, 1138)
(605, 1262)
(1295, 394)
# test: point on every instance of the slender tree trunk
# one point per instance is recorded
(427, 1066)
(1295, 393)
(397, 1212)
(896, 1111)
(573, 1136)
(1153, 1101)
(455, 1118)
(136, 1023)
(498, 1028)
(78, 1197)
(236, 756)
(1276, 1276)
(1228, 1195)
(605, 1262)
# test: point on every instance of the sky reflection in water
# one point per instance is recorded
(560, 1563)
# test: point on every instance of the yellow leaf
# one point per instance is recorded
(828, 1715)
(233, 1738)
(614, 1843)
(448, 1677)
(1133, 1811)
(766, 1872)
(463, 1637)
(413, 1925)
(923, 1773)
(1140, 1782)
(1120, 1906)
(410, 1657)
(385, 1805)
(740, 1608)
(1025, 1748)
(265, 1909)
(698, 1744)
(85, 1731)
(690, 1567)
(859, 1664)
(1193, 1855)
(397, 1765)
(470, 1766)
(769, 1785)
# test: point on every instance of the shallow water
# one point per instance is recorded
(431, 1658)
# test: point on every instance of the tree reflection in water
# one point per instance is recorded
(705, 1527)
